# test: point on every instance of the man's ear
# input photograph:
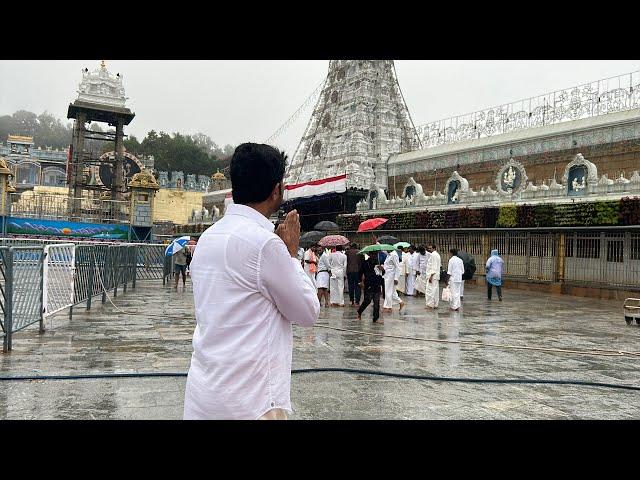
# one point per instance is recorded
(275, 193)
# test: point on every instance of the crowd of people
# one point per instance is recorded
(410, 271)
(251, 282)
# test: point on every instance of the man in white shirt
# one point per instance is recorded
(248, 288)
(432, 277)
(421, 269)
(391, 276)
(411, 271)
(338, 268)
(455, 270)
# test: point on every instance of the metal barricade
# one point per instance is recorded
(58, 278)
(22, 292)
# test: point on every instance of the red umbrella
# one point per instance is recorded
(371, 224)
(333, 241)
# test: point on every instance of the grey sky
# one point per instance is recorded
(235, 101)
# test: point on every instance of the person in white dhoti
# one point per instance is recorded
(402, 278)
(455, 271)
(432, 277)
(421, 269)
(391, 275)
(322, 278)
(411, 271)
(338, 268)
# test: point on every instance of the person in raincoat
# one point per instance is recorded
(494, 274)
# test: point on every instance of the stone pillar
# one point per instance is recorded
(77, 166)
(5, 202)
(117, 185)
(143, 187)
(561, 240)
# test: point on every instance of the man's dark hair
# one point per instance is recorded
(421, 250)
(432, 245)
(255, 170)
(338, 248)
(453, 251)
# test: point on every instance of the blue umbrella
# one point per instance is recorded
(177, 245)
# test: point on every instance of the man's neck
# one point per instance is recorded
(262, 208)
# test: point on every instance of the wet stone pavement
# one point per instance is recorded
(104, 340)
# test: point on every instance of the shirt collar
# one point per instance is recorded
(250, 213)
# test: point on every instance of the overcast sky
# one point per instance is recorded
(236, 101)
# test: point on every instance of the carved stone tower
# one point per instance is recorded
(359, 120)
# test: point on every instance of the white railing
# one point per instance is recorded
(609, 95)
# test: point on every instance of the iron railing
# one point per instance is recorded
(602, 258)
(57, 207)
(38, 281)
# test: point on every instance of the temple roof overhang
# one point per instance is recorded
(512, 138)
(100, 113)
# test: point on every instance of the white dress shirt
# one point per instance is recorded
(456, 269)
(433, 265)
(392, 265)
(247, 291)
(338, 264)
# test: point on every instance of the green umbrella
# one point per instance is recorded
(402, 245)
(377, 247)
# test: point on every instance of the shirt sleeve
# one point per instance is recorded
(283, 281)
(396, 264)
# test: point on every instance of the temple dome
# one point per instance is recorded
(101, 87)
(144, 179)
(218, 176)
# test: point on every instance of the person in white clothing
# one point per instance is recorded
(411, 271)
(391, 274)
(421, 269)
(402, 278)
(248, 289)
(432, 277)
(338, 267)
(455, 271)
(310, 266)
(323, 277)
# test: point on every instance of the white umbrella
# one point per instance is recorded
(177, 245)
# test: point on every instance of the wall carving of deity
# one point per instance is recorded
(411, 191)
(511, 178)
(376, 198)
(580, 176)
(456, 187)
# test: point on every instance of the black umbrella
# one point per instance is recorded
(391, 240)
(311, 238)
(326, 226)
(469, 265)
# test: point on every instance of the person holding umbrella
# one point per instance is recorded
(323, 276)
(338, 268)
(181, 257)
(371, 283)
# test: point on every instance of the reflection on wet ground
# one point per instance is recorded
(104, 340)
